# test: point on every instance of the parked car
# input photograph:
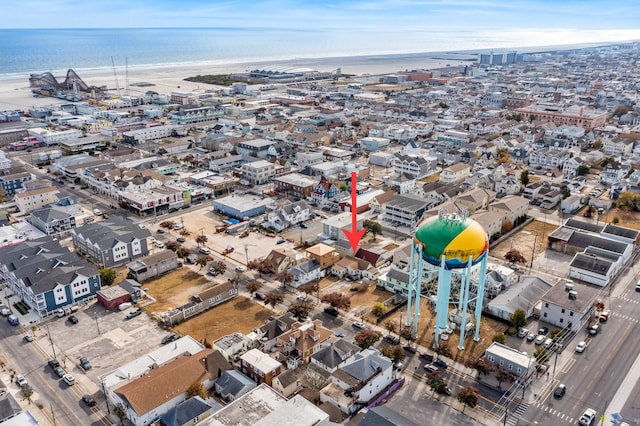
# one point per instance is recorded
(580, 347)
(358, 324)
(638, 286)
(21, 381)
(69, 379)
(531, 337)
(72, 319)
(134, 313)
(587, 417)
(594, 329)
(88, 399)
(213, 272)
(441, 363)
(59, 371)
(410, 349)
(303, 226)
(523, 332)
(169, 338)
(331, 311)
(240, 268)
(543, 331)
(85, 363)
(540, 339)
(160, 231)
(204, 250)
(53, 363)
(560, 391)
(431, 368)
(391, 339)
(280, 241)
(340, 334)
(180, 240)
(13, 320)
(425, 356)
(28, 338)
(548, 342)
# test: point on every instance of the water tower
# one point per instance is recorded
(448, 241)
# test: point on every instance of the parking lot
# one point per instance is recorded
(105, 337)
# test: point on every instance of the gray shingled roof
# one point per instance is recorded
(187, 410)
(110, 232)
(620, 231)
(333, 355)
(582, 240)
(591, 263)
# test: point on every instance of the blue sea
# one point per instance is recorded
(38, 50)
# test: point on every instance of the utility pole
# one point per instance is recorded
(246, 252)
(97, 325)
(53, 415)
(53, 348)
(533, 251)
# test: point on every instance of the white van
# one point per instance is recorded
(97, 212)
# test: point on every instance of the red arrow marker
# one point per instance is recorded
(354, 236)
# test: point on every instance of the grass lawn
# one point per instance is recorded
(174, 289)
(239, 314)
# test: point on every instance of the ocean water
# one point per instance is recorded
(38, 50)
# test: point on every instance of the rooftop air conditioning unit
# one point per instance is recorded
(573, 294)
(568, 287)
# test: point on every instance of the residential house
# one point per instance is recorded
(508, 184)
(403, 184)
(47, 276)
(302, 340)
(286, 214)
(404, 210)
(358, 381)
(547, 159)
(282, 259)
(258, 172)
(273, 328)
(330, 357)
(294, 185)
(35, 199)
(511, 208)
(187, 413)
(571, 166)
(491, 222)
(146, 398)
(324, 254)
(201, 302)
(53, 220)
(613, 173)
(418, 167)
(569, 309)
(287, 383)
(232, 344)
(306, 272)
(111, 242)
(503, 357)
(617, 147)
(260, 366)
(455, 173)
(333, 227)
(571, 204)
(256, 148)
(474, 200)
(232, 384)
(13, 179)
(353, 268)
(324, 191)
(153, 265)
(377, 204)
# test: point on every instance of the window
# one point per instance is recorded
(545, 314)
(563, 310)
(546, 305)
(570, 313)
(561, 320)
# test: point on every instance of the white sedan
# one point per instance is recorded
(581, 346)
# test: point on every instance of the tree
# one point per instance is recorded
(300, 310)
(254, 286)
(504, 376)
(366, 337)
(391, 326)
(436, 382)
(468, 397)
(518, 318)
(273, 299)
(107, 276)
(394, 352)
(265, 266)
(524, 177)
(500, 338)
(285, 277)
(202, 261)
(219, 267)
(620, 111)
(119, 411)
(483, 366)
(406, 332)
(183, 252)
(201, 239)
(173, 245)
(506, 226)
(379, 309)
(582, 170)
(197, 389)
(566, 192)
(514, 256)
(310, 288)
(168, 225)
(337, 300)
(373, 228)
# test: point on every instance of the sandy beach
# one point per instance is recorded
(16, 94)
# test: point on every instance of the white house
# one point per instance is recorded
(358, 380)
(568, 309)
(455, 173)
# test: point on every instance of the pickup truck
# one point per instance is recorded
(134, 313)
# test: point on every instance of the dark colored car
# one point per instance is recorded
(160, 231)
(88, 399)
(543, 331)
(426, 357)
(85, 363)
(303, 226)
(560, 391)
(180, 239)
(410, 349)
(441, 363)
(53, 363)
(72, 319)
(169, 338)
(59, 371)
(391, 340)
(331, 311)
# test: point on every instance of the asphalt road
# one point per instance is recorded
(50, 392)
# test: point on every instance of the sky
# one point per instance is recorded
(347, 15)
